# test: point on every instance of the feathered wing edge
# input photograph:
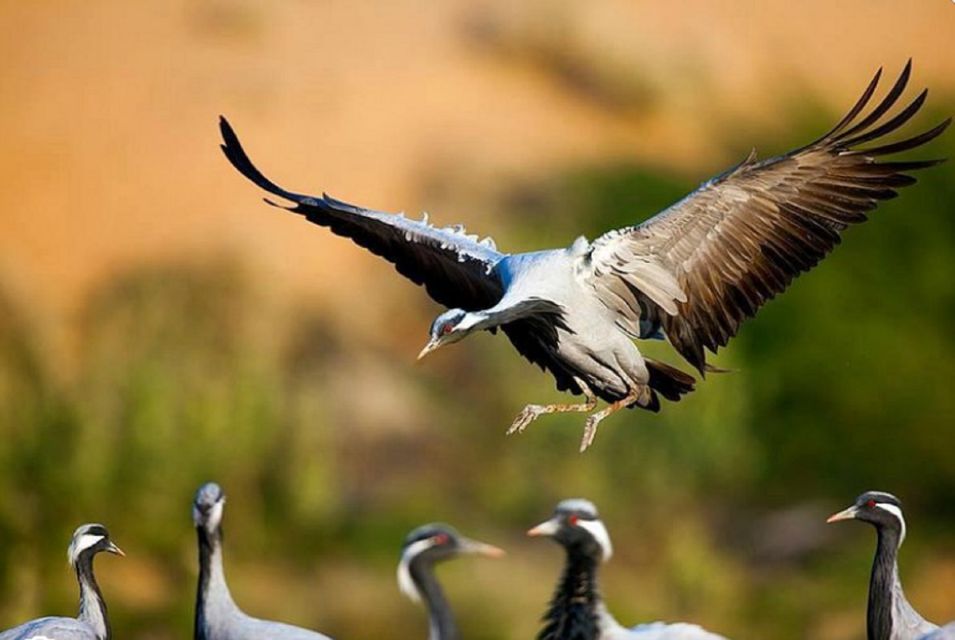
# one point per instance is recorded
(456, 268)
(854, 183)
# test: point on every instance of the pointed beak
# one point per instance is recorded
(112, 548)
(482, 549)
(428, 348)
(548, 528)
(845, 514)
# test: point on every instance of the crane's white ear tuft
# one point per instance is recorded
(81, 544)
(597, 529)
(897, 512)
(405, 582)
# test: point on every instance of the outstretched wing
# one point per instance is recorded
(456, 269)
(711, 260)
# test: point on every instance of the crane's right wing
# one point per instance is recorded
(713, 259)
(456, 269)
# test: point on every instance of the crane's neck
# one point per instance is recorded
(92, 605)
(441, 620)
(575, 608)
(885, 588)
(212, 598)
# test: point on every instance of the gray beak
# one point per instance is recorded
(845, 514)
(428, 348)
(481, 549)
(547, 528)
(112, 548)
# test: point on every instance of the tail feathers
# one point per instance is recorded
(669, 381)
(710, 368)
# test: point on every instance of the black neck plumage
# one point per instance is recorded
(442, 623)
(209, 543)
(92, 605)
(572, 614)
(882, 585)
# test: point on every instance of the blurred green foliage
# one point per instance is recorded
(332, 445)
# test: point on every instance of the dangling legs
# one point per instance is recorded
(590, 427)
(532, 411)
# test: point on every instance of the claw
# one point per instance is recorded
(590, 432)
(530, 413)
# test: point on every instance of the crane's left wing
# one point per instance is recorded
(457, 269)
(711, 260)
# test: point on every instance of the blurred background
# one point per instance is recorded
(160, 326)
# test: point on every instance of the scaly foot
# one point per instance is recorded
(530, 413)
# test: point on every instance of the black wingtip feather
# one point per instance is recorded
(857, 107)
(236, 155)
(888, 100)
(904, 145)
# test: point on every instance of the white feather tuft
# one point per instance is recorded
(597, 529)
(895, 511)
(405, 583)
(80, 544)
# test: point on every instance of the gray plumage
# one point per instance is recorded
(217, 615)
(692, 274)
(92, 621)
(889, 616)
(944, 633)
(423, 548)
(577, 610)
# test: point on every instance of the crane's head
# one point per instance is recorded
(578, 528)
(88, 540)
(450, 326)
(434, 543)
(207, 507)
(880, 509)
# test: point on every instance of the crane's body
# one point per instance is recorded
(92, 621)
(691, 274)
(577, 610)
(218, 617)
(889, 616)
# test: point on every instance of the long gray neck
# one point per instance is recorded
(213, 599)
(442, 624)
(574, 610)
(884, 586)
(92, 605)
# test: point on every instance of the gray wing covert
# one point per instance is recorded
(944, 633)
(279, 631)
(51, 628)
(673, 631)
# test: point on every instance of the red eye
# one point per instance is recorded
(870, 504)
(446, 329)
(441, 538)
(572, 520)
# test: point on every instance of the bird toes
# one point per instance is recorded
(524, 418)
(590, 432)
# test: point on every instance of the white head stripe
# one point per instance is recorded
(38, 638)
(600, 534)
(215, 516)
(81, 544)
(895, 511)
(405, 583)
